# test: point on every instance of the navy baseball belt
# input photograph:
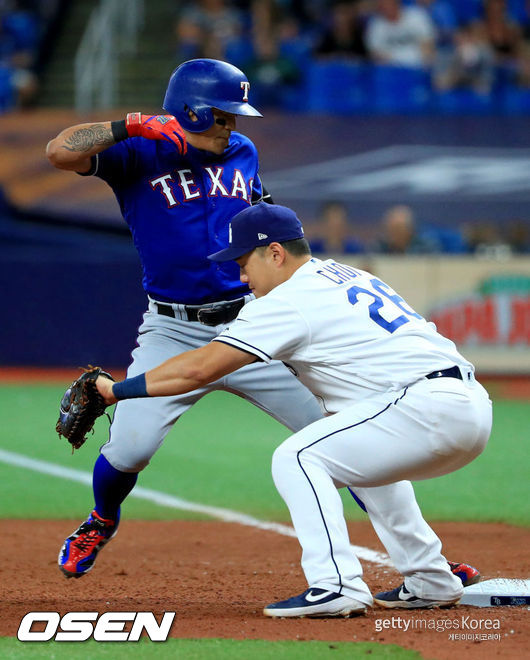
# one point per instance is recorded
(452, 372)
(209, 314)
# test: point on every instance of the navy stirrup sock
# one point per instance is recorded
(111, 487)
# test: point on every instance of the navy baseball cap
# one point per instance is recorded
(259, 225)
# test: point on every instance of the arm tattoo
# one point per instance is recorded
(84, 139)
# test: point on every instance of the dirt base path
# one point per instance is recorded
(217, 577)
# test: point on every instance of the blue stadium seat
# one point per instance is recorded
(23, 26)
(468, 10)
(298, 51)
(294, 97)
(450, 240)
(338, 87)
(401, 89)
(516, 101)
(466, 102)
(7, 97)
(518, 10)
(239, 51)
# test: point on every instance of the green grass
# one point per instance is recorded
(206, 458)
(219, 454)
(205, 649)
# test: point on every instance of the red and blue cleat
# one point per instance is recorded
(79, 551)
(465, 572)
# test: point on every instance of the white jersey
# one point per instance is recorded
(344, 333)
(401, 41)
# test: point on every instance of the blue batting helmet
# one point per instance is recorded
(203, 84)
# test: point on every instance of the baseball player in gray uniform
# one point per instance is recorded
(400, 401)
(179, 178)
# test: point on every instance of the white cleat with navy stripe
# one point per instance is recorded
(316, 602)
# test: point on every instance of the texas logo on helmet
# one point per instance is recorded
(245, 86)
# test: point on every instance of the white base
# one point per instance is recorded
(494, 593)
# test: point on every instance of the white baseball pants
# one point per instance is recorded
(429, 429)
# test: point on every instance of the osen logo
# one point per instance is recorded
(80, 626)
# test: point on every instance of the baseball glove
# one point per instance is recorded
(81, 405)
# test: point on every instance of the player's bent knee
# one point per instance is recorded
(125, 462)
(284, 459)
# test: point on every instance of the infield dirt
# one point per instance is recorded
(217, 577)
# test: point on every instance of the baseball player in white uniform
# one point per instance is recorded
(401, 403)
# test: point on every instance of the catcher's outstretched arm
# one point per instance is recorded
(183, 373)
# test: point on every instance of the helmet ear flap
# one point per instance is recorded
(204, 116)
(201, 120)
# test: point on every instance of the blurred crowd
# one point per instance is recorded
(400, 232)
(20, 31)
(21, 25)
(463, 43)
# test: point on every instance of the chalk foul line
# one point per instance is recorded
(164, 499)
